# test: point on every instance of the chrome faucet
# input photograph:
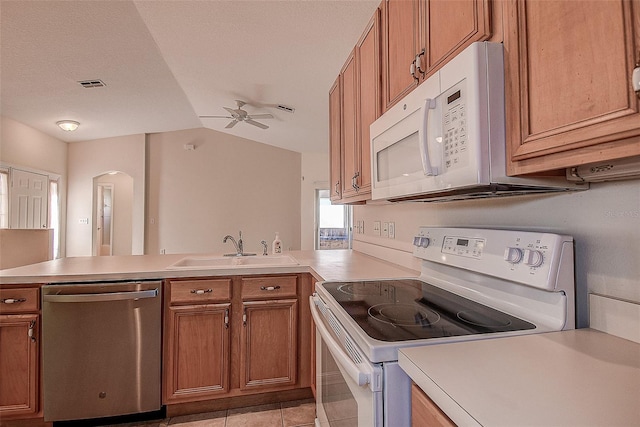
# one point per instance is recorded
(237, 245)
(264, 247)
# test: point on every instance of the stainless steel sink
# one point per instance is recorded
(200, 262)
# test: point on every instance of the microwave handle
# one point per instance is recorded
(429, 104)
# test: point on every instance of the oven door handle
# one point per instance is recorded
(361, 373)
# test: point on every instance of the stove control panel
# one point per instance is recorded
(531, 258)
(463, 246)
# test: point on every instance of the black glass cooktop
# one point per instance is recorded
(400, 310)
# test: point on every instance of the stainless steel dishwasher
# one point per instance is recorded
(101, 349)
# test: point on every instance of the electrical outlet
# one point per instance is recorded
(392, 230)
(362, 227)
(385, 229)
(376, 228)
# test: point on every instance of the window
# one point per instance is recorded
(54, 216)
(4, 199)
(333, 223)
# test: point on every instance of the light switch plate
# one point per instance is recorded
(392, 230)
(376, 228)
(385, 229)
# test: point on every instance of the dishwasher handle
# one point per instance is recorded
(107, 296)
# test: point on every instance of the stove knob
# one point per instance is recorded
(533, 258)
(416, 241)
(513, 255)
(424, 242)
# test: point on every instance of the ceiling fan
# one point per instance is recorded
(240, 115)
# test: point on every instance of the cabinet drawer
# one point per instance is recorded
(200, 290)
(22, 300)
(268, 287)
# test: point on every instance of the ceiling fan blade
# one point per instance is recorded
(215, 117)
(231, 124)
(261, 116)
(260, 125)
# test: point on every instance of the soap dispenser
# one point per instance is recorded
(276, 246)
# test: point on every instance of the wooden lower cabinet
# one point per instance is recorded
(198, 356)
(234, 338)
(19, 365)
(426, 413)
(20, 391)
(268, 344)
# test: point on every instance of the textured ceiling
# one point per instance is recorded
(165, 63)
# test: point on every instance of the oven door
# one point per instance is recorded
(348, 386)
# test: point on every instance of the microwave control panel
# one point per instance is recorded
(454, 127)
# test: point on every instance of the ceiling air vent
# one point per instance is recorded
(92, 83)
(285, 108)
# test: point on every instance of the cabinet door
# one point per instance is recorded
(269, 344)
(19, 364)
(400, 45)
(569, 98)
(335, 142)
(368, 107)
(349, 125)
(466, 21)
(197, 356)
(426, 413)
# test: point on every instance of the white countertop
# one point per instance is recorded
(571, 378)
(324, 265)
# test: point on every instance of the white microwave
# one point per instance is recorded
(446, 139)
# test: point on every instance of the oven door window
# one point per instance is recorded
(341, 402)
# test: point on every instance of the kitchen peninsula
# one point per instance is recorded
(215, 320)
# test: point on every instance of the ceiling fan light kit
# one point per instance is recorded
(240, 115)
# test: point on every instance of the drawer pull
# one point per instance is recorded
(269, 288)
(13, 300)
(201, 291)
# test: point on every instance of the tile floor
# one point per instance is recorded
(286, 414)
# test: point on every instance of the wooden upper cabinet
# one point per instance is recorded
(569, 98)
(450, 26)
(357, 152)
(335, 144)
(426, 33)
(349, 79)
(368, 58)
(400, 45)
(355, 103)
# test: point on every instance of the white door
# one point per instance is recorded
(29, 199)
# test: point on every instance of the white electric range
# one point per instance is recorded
(474, 284)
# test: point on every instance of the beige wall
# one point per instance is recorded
(315, 176)
(227, 184)
(21, 145)
(604, 221)
(90, 159)
(21, 247)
